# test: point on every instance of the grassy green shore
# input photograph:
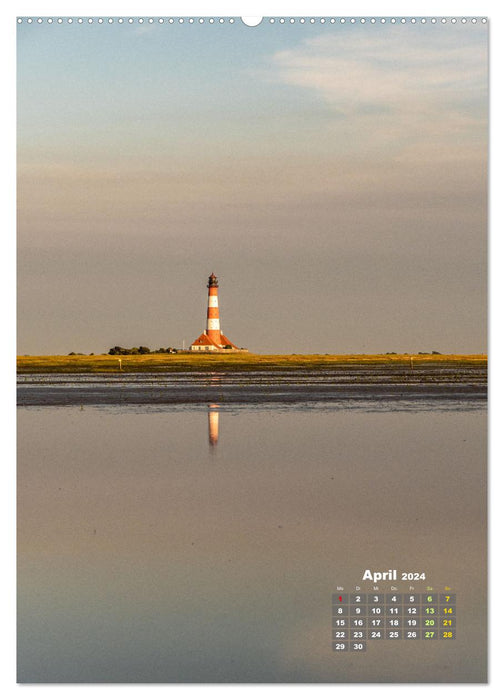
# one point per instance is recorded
(180, 362)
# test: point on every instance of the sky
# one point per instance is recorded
(333, 176)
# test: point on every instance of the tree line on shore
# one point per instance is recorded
(433, 352)
(144, 350)
(140, 350)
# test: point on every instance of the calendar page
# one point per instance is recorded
(252, 370)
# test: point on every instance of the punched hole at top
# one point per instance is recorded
(251, 21)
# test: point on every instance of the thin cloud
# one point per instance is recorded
(406, 84)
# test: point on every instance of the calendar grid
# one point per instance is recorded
(359, 618)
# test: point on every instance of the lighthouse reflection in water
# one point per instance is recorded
(213, 424)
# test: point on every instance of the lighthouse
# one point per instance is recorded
(213, 339)
(213, 322)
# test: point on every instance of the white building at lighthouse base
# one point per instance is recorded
(205, 344)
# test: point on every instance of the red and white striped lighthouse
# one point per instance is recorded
(212, 329)
(213, 340)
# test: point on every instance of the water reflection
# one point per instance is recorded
(213, 424)
(137, 563)
(213, 378)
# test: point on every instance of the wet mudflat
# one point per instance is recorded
(364, 382)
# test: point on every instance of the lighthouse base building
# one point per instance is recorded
(204, 344)
(213, 340)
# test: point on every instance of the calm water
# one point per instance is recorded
(196, 543)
